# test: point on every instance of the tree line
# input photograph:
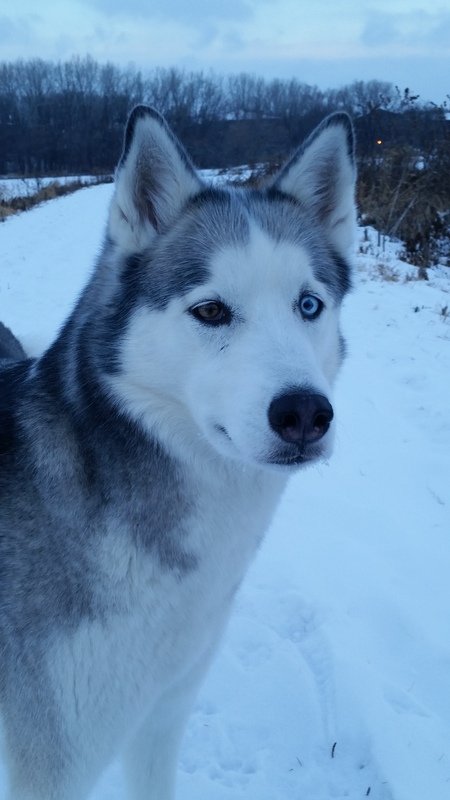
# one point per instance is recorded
(67, 118)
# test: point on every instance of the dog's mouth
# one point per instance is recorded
(296, 459)
(292, 457)
(288, 461)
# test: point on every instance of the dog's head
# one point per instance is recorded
(231, 296)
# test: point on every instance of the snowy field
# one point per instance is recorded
(333, 680)
(26, 187)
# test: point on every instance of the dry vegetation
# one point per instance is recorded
(14, 205)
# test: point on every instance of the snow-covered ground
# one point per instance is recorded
(333, 680)
(26, 187)
(232, 175)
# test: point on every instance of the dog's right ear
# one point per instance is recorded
(154, 180)
(321, 177)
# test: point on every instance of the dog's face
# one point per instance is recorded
(234, 335)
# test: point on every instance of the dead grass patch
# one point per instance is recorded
(15, 205)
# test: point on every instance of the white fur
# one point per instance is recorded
(174, 371)
(125, 682)
(172, 376)
(127, 685)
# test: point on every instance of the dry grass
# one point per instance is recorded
(387, 273)
(14, 205)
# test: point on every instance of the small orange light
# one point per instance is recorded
(379, 141)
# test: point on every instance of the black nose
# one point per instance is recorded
(300, 417)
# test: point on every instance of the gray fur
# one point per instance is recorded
(10, 347)
(286, 220)
(213, 219)
(77, 474)
(59, 495)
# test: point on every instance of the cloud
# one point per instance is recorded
(177, 10)
(19, 30)
(416, 30)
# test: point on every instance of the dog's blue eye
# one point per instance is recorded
(211, 313)
(310, 306)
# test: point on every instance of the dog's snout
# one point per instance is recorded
(300, 417)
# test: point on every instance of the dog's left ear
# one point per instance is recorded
(154, 180)
(321, 176)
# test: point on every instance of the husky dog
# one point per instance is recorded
(142, 456)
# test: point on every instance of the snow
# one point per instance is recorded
(238, 174)
(333, 679)
(26, 187)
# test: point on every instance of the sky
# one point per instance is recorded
(328, 43)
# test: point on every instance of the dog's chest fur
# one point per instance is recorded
(160, 623)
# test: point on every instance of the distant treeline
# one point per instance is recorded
(68, 117)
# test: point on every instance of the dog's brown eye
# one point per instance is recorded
(212, 313)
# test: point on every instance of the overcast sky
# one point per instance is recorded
(323, 42)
